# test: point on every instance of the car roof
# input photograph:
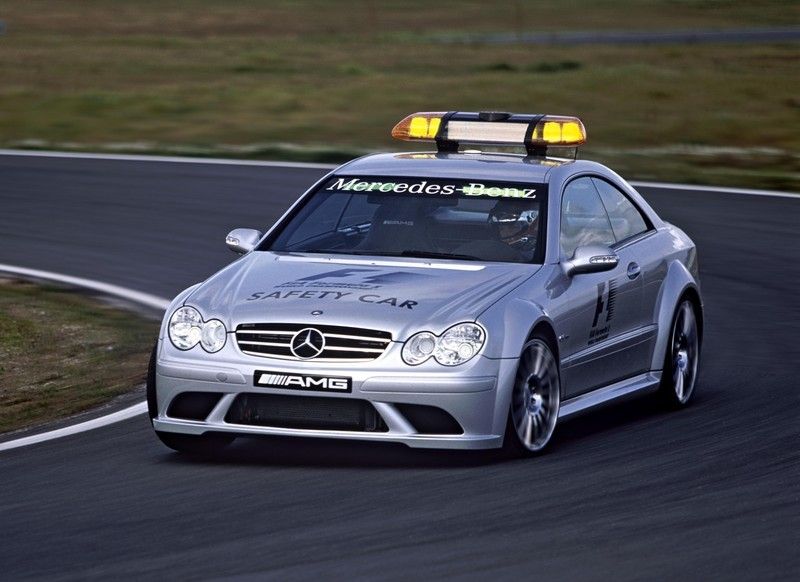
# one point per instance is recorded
(486, 166)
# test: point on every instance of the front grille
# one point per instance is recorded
(342, 343)
(305, 412)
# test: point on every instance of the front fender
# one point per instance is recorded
(677, 282)
(508, 325)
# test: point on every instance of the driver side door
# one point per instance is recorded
(604, 310)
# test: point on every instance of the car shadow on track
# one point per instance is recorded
(609, 418)
(326, 453)
(344, 454)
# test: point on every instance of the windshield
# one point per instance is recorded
(419, 217)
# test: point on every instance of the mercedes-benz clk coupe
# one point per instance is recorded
(454, 299)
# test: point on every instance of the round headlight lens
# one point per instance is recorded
(213, 335)
(419, 348)
(185, 328)
(459, 344)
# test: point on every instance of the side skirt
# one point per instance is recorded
(642, 384)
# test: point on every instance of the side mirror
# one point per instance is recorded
(243, 240)
(591, 259)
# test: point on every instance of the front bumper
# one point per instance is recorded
(474, 394)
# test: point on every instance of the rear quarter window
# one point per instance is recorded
(626, 219)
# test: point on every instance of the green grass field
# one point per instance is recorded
(326, 80)
(62, 353)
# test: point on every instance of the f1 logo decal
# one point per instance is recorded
(362, 276)
(336, 274)
(605, 303)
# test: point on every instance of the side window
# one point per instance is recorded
(583, 218)
(626, 220)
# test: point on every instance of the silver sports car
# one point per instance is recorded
(450, 299)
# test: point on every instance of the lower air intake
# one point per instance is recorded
(193, 405)
(430, 419)
(305, 412)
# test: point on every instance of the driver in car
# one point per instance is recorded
(515, 230)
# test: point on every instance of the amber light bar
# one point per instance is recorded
(449, 129)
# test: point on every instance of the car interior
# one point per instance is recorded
(391, 224)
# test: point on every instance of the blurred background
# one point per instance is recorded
(703, 91)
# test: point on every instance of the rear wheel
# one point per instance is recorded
(683, 357)
(206, 444)
(535, 400)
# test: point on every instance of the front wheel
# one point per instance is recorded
(535, 400)
(152, 401)
(683, 357)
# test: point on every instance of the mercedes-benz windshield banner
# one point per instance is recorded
(436, 187)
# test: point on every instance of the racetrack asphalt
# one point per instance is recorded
(630, 492)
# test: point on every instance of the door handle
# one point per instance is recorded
(633, 270)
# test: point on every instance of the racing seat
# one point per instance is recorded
(399, 226)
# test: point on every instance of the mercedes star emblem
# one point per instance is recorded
(307, 343)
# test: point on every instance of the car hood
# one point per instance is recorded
(401, 296)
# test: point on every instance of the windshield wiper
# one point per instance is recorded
(410, 253)
(351, 252)
(433, 255)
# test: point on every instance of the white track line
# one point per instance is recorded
(308, 165)
(170, 159)
(716, 189)
(118, 416)
(145, 299)
(138, 297)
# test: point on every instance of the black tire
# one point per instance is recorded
(682, 358)
(152, 401)
(207, 444)
(535, 400)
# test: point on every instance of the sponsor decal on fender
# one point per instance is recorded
(604, 305)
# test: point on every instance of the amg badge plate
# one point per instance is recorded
(302, 382)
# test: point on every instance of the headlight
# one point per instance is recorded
(459, 343)
(213, 336)
(419, 348)
(187, 329)
(455, 346)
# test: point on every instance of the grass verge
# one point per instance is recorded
(62, 353)
(298, 80)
